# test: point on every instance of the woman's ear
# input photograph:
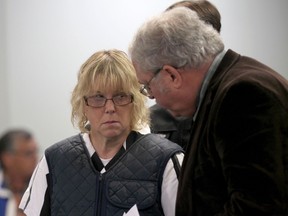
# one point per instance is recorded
(174, 75)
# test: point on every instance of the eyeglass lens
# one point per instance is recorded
(100, 100)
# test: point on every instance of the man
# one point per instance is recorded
(166, 125)
(18, 158)
(237, 160)
(162, 122)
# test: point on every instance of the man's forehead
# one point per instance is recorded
(23, 140)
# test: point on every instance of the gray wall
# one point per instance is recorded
(43, 44)
(4, 94)
(258, 29)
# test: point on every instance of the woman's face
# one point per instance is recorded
(113, 118)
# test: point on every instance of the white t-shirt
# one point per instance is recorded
(33, 198)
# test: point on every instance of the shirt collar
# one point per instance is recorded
(207, 79)
(89, 145)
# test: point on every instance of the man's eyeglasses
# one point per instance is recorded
(145, 88)
(99, 100)
(26, 154)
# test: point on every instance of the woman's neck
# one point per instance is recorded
(107, 148)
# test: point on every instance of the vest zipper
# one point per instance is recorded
(99, 200)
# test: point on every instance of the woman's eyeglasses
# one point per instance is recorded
(100, 100)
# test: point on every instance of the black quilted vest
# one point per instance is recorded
(76, 188)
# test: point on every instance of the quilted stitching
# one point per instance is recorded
(66, 187)
(136, 178)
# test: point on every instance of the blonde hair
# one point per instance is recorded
(108, 69)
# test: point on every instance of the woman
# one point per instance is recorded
(109, 167)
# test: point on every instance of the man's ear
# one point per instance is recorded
(7, 159)
(174, 75)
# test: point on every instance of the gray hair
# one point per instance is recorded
(176, 37)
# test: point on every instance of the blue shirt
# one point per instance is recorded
(7, 202)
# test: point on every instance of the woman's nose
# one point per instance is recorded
(109, 106)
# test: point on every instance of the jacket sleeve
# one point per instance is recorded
(251, 140)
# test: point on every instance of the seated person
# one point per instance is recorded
(18, 158)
